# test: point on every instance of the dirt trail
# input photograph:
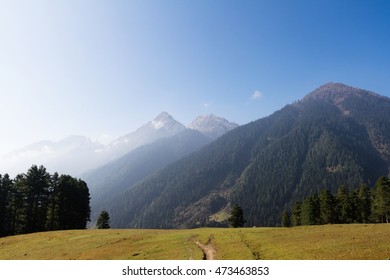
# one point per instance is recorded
(255, 253)
(208, 250)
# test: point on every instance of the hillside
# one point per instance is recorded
(331, 242)
(335, 135)
(113, 178)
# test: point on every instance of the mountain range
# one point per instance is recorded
(158, 143)
(335, 135)
(76, 155)
(167, 175)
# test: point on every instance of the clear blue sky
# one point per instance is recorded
(98, 68)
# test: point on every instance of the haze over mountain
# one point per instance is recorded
(76, 155)
(70, 155)
(335, 135)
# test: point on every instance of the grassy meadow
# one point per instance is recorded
(329, 242)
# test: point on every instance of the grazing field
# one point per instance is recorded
(332, 242)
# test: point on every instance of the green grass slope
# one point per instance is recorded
(331, 242)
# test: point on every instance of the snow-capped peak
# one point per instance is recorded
(162, 120)
(212, 125)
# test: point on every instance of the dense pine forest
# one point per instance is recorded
(362, 205)
(39, 201)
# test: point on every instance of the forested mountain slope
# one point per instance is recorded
(111, 179)
(335, 135)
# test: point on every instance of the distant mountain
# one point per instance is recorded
(164, 125)
(335, 135)
(68, 156)
(77, 154)
(211, 125)
(113, 178)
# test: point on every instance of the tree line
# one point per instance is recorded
(38, 201)
(362, 205)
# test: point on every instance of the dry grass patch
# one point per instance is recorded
(100, 244)
(332, 242)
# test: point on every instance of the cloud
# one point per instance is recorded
(256, 95)
(206, 104)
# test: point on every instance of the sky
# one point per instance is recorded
(104, 68)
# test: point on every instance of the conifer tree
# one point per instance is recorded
(73, 203)
(327, 207)
(364, 204)
(286, 222)
(6, 187)
(53, 210)
(17, 210)
(103, 221)
(236, 218)
(3, 207)
(296, 214)
(36, 188)
(310, 210)
(381, 202)
(343, 206)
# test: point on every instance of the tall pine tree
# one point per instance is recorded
(364, 204)
(310, 213)
(296, 219)
(381, 202)
(36, 190)
(103, 222)
(327, 207)
(236, 218)
(286, 222)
